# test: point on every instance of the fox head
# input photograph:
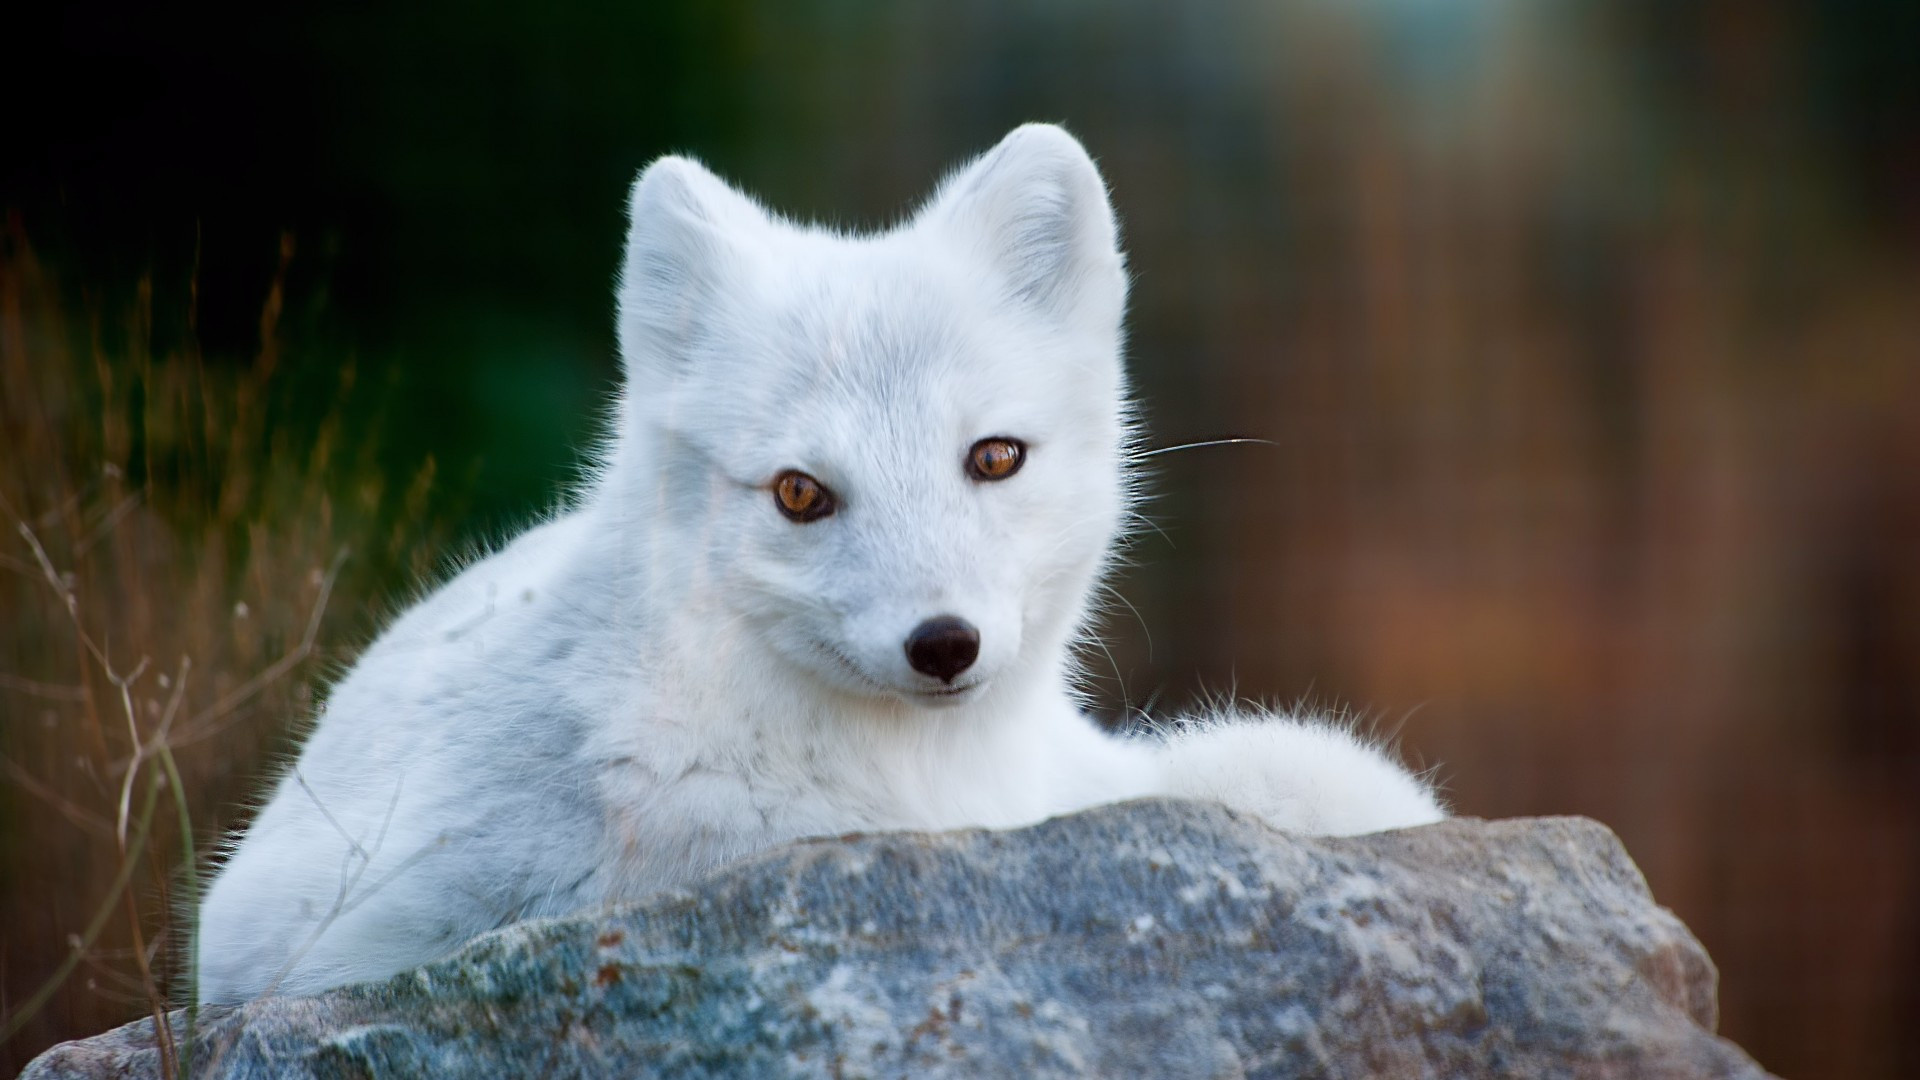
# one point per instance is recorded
(893, 460)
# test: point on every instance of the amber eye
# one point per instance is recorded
(801, 497)
(996, 459)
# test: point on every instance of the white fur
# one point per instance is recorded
(672, 674)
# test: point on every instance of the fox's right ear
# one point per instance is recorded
(684, 239)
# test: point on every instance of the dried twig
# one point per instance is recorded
(143, 823)
(202, 724)
(36, 688)
(72, 811)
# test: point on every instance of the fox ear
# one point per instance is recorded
(684, 241)
(1036, 209)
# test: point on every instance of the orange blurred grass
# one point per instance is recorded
(169, 568)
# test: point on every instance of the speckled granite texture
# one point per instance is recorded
(1155, 938)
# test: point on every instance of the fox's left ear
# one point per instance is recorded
(1034, 208)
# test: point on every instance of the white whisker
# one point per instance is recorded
(1144, 454)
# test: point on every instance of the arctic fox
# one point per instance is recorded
(828, 577)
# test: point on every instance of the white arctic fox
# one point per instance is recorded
(829, 577)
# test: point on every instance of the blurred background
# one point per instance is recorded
(1586, 334)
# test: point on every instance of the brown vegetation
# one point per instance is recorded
(166, 571)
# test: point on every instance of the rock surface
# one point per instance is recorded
(1156, 938)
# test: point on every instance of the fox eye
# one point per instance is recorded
(801, 497)
(996, 458)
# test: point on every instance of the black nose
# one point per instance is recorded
(943, 646)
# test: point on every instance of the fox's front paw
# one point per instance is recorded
(1303, 776)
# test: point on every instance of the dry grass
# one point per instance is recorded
(170, 553)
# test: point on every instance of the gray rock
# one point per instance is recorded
(1155, 938)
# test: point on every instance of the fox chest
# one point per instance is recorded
(668, 827)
